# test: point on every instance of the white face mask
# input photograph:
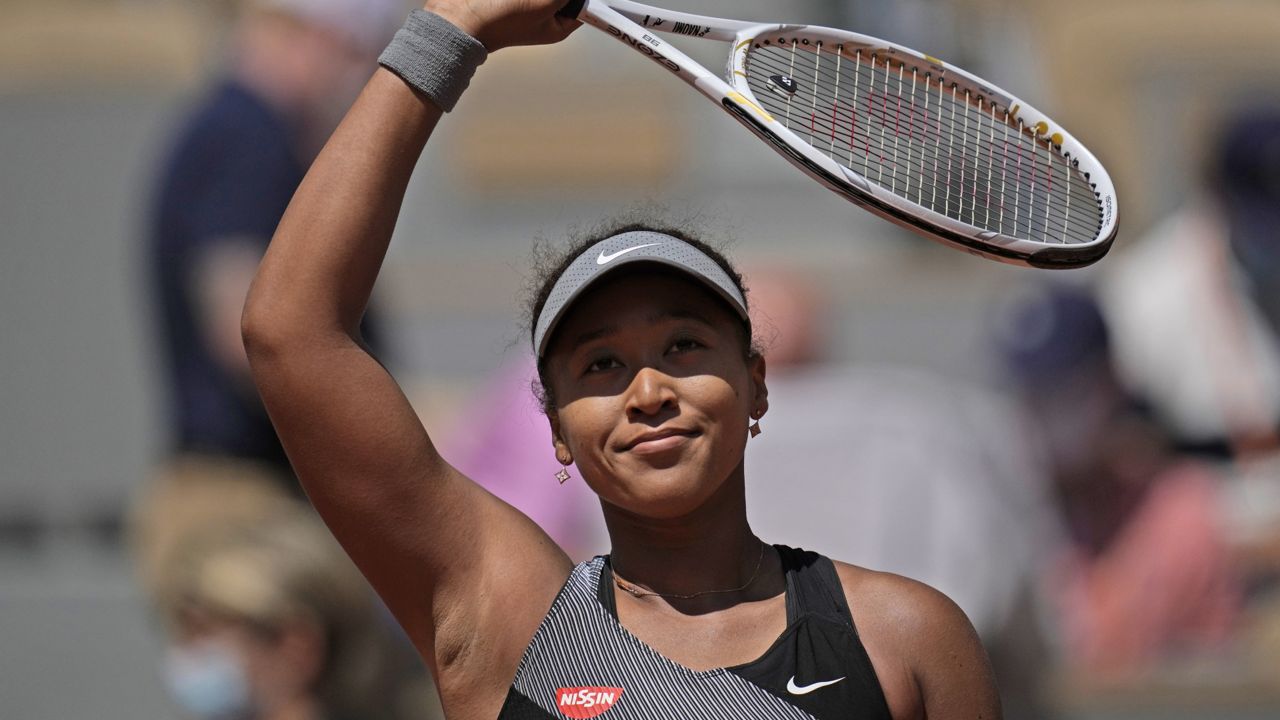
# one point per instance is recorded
(209, 681)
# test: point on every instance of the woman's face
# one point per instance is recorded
(653, 391)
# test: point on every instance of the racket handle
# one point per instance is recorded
(571, 9)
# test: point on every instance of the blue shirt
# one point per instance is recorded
(228, 178)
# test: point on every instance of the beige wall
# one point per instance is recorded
(76, 44)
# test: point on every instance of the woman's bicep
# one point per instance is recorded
(410, 521)
(926, 654)
(952, 668)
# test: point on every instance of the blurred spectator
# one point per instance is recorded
(1146, 573)
(1196, 303)
(901, 471)
(270, 620)
(270, 616)
(195, 496)
(294, 66)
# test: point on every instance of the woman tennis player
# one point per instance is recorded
(652, 387)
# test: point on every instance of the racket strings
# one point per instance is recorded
(889, 115)
(940, 147)
(968, 187)
(874, 142)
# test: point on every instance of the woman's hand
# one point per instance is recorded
(503, 23)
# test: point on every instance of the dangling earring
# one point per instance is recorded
(563, 474)
(755, 426)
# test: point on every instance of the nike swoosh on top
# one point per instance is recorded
(805, 690)
(603, 259)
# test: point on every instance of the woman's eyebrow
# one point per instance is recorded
(679, 314)
(594, 334)
(612, 328)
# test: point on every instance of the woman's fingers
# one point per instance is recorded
(504, 23)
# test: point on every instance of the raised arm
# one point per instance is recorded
(428, 538)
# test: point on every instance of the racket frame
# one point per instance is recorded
(631, 23)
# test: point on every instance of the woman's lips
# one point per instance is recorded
(660, 442)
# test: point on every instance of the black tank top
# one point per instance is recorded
(582, 663)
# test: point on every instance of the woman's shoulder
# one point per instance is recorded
(915, 636)
(875, 598)
(906, 604)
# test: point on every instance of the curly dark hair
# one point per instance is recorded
(550, 262)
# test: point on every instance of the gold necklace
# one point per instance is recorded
(637, 591)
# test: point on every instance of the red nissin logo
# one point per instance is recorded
(586, 702)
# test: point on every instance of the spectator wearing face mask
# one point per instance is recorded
(271, 621)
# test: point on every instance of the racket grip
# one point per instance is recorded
(571, 9)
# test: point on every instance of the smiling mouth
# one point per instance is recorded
(660, 441)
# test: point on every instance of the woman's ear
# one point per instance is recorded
(760, 401)
(563, 455)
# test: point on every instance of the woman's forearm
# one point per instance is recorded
(320, 269)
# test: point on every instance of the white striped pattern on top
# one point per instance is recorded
(580, 644)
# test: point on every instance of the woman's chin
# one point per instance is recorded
(661, 493)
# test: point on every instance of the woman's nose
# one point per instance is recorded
(650, 392)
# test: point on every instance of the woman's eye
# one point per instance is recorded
(685, 344)
(603, 364)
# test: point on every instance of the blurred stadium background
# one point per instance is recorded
(548, 138)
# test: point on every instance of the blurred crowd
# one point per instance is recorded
(1106, 509)
(264, 615)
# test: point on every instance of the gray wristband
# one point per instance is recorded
(435, 57)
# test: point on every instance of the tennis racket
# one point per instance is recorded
(917, 141)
